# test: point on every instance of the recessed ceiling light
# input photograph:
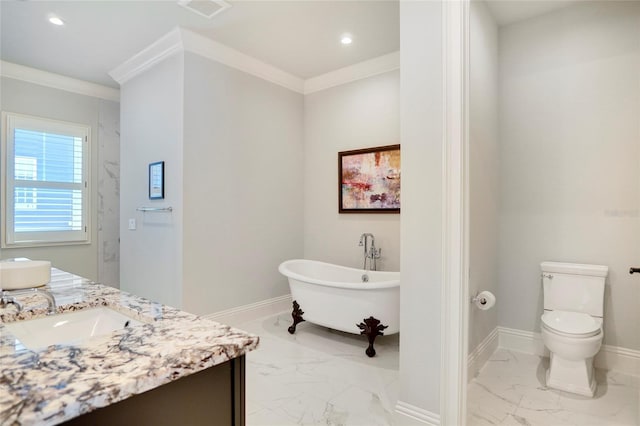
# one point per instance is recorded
(346, 39)
(55, 20)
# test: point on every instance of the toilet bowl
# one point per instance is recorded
(571, 325)
(573, 339)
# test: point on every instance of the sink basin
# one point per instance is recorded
(69, 328)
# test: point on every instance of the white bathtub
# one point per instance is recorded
(336, 296)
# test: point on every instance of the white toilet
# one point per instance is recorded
(572, 323)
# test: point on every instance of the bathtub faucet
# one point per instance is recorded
(370, 251)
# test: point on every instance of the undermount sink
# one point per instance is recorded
(69, 328)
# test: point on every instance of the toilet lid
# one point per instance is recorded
(574, 323)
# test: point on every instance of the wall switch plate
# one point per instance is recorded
(132, 224)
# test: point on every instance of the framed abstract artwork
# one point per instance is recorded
(369, 180)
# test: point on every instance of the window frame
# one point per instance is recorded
(10, 122)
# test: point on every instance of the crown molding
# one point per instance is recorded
(157, 51)
(210, 49)
(359, 71)
(179, 40)
(57, 81)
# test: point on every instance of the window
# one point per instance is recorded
(46, 196)
(26, 169)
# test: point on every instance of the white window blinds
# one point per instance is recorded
(46, 196)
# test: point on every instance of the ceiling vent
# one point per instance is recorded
(206, 8)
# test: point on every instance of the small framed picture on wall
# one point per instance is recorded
(156, 180)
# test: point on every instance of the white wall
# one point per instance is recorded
(32, 99)
(421, 226)
(570, 158)
(152, 130)
(243, 192)
(484, 167)
(357, 115)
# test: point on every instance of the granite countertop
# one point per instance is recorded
(61, 382)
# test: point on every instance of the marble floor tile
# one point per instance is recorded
(322, 377)
(510, 390)
(267, 417)
(484, 407)
(318, 376)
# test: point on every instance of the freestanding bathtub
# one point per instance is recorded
(345, 299)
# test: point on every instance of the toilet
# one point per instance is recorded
(572, 323)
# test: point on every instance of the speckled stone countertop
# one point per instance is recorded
(62, 382)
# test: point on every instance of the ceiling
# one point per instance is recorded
(299, 37)
(507, 12)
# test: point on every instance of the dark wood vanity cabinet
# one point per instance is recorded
(214, 397)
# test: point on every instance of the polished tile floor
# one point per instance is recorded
(322, 377)
(510, 390)
(318, 376)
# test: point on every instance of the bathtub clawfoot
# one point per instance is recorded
(297, 317)
(372, 328)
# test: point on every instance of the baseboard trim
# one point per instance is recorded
(615, 358)
(240, 314)
(479, 356)
(521, 341)
(410, 415)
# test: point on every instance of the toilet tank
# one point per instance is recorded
(574, 287)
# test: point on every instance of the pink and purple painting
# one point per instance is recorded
(369, 180)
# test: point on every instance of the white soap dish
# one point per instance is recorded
(24, 274)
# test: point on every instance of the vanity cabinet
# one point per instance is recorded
(175, 369)
(215, 396)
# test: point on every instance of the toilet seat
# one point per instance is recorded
(571, 324)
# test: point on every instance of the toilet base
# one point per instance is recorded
(572, 376)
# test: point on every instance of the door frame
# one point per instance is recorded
(455, 284)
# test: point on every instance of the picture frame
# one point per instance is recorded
(156, 180)
(369, 180)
